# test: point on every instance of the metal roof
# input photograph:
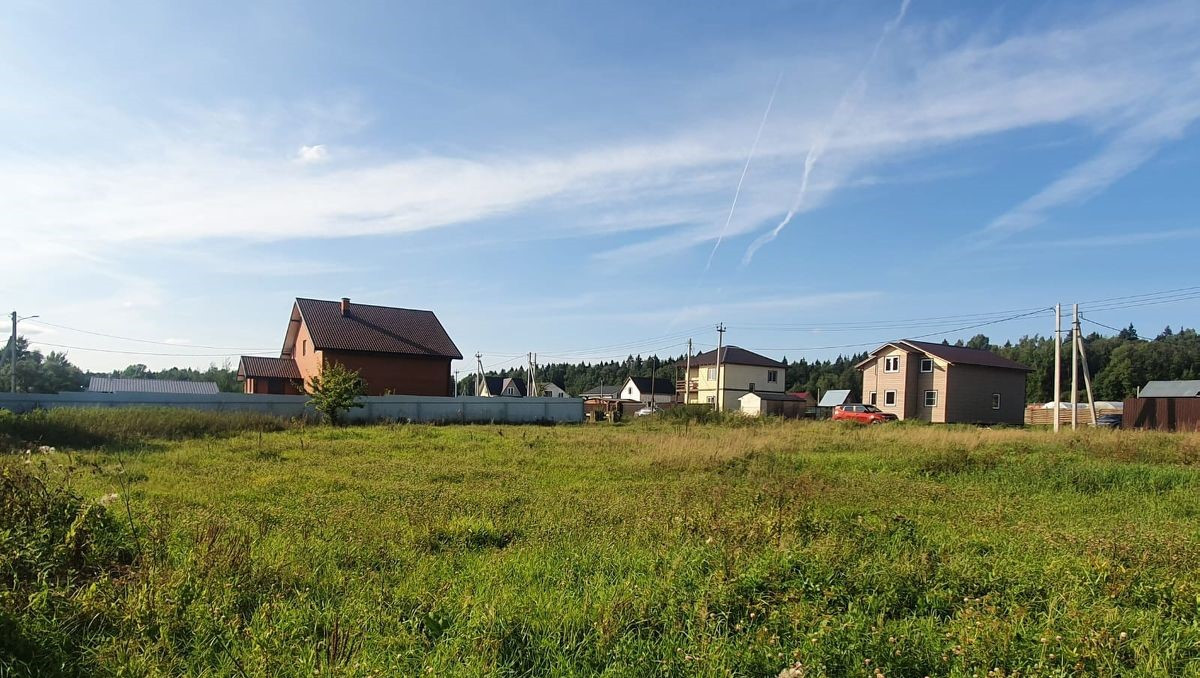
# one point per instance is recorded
(774, 395)
(1171, 389)
(380, 329)
(258, 366)
(601, 391)
(112, 385)
(659, 387)
(955, 355)
(834, 398)
(733, 355)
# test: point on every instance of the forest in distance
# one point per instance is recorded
(1119, 364)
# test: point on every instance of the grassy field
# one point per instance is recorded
(641, 549)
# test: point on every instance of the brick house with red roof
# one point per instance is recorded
(397, 351)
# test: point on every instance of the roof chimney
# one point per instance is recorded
(345, 306)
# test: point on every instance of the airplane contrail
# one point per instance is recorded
(745, 168)
(845, 107)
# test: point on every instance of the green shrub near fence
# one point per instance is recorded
(83, 427)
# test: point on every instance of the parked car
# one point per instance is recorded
(649, 409)
(1108, 421)
(863, 414)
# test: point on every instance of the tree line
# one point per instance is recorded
(1119, 364)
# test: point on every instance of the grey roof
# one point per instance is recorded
(1171, 389)
(112, 385)
(834, 398)
(601, 391)
(496, 385)
(659, 387)
(774, 395)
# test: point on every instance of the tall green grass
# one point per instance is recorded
(646, 550)
(96, 426)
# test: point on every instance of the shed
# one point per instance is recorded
(834, 398)
(1183, 388)
(759, 403)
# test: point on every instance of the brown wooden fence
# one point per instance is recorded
(1162, 414)
(1036, 415)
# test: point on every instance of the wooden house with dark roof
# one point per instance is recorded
(397, 351)
(944, 384)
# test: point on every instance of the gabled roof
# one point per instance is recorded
(364, 327)
(834, 398)
(1171, 389)
(659, 387)
(601, 391)
(733, 355)
(497, 385)
(258, 366)
(111, 385)
(955, 355)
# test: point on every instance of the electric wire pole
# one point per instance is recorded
(720, 342)
(1075, 369)
(1057, 366)
(478, 373)
(1087, 379)
(687, 375)
(12, 355)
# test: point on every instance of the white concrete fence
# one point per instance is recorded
(465, 409)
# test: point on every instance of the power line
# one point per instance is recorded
(1108, 327)
(109, 350)
(147, 341)
(918, 336)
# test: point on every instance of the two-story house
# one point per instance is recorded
(738, 372)
(399, 351)
(944, 384)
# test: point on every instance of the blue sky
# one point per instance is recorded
(555, 177)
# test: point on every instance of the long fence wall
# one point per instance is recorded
(1036, 415)
(1163, 414)
(468, 409)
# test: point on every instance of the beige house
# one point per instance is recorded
(740, 372)
(944, 384)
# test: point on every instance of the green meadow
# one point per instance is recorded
(641, 549)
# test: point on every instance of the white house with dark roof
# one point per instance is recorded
(647, 390)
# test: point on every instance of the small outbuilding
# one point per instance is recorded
(757, 404)
(113, 385)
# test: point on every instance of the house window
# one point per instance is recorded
(995, 401)
(889, 398)
(510, 391)
(304, 347)
(874, 398)
(772, 376)
(629, 390)
(926, 364)
(710, 400)
(712, 374)
(891, 363)
(931, 399)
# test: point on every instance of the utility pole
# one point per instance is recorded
(1087, 379)
(1057, 366)
(652, 382)
(455, 383)
(478, 373)
(1074, 370)
(687, 375)
(532, 375)
(720, 343)
(12, 355)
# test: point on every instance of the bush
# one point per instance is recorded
(54, 546)
(334, 391)
(94, 426)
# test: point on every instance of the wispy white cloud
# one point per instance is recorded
(311, 155)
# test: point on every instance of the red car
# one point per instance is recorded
(863, 414)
